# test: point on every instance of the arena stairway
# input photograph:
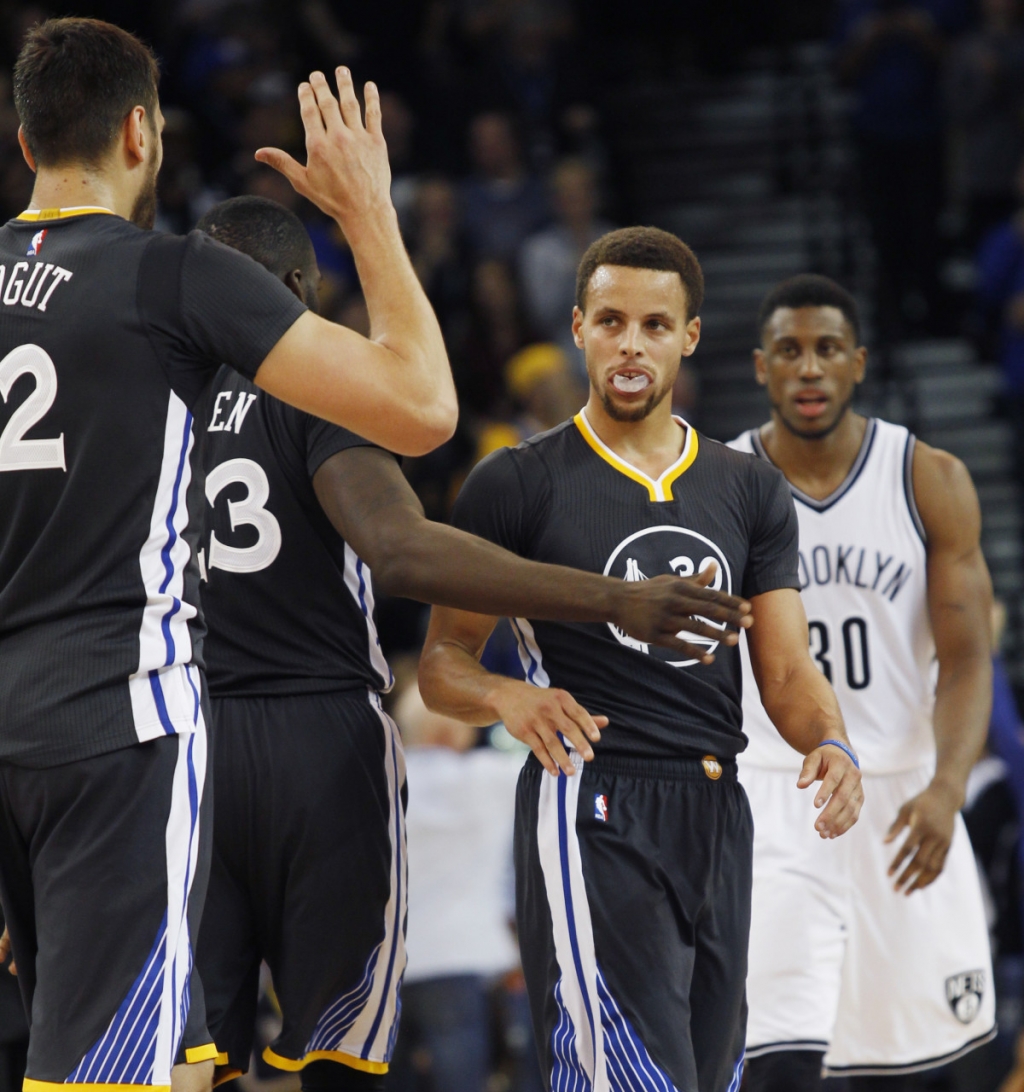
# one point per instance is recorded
(755, 171)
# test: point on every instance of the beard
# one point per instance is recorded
(144, 210)
(633, 413)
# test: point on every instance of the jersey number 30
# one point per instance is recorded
(17, 453)
(248, 511)
(855, 651)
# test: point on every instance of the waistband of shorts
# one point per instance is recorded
(708, 768)
(358, 692)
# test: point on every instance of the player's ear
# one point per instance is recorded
(577, 327)
(692, 336)
(136, 135)
(26, 152)
(760, 367)
(860, 363)
(293, 280)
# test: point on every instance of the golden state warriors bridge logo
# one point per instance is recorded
(668, 549)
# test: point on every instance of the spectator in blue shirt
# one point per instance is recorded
(502, 203)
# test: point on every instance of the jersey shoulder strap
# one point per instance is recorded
(744, 442)
(891, 466)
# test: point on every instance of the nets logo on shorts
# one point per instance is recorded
(668, 549)
(964, 992)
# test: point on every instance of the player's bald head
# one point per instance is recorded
(266, 231)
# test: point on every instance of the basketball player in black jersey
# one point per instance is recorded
(633, 878)
(308, 867)
(109, 334)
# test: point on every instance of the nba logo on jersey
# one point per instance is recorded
(964, 992)
(37, 243)
(601, 807)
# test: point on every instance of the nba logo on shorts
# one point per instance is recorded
(601, 807)
(37, 243)
(964, 992)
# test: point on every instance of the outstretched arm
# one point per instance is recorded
(960, 605)
(373, 507)
(395, 387)
(803, 707)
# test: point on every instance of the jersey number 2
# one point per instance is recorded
(250, 510)
(17, 453)
(855, 651)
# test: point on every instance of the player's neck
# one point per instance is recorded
(816, 467)
(79, 187)
(652, 444)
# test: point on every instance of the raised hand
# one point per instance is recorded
(841, 789)
(658, 611)
(347, 174)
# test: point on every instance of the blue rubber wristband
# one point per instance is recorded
(842, 747)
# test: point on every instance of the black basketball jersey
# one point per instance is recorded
(288, 604)
(108, 336)
(565, 498)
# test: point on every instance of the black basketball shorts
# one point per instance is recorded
(308, 874)
(103, 869)
(633, 904)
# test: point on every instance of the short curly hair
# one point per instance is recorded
(810, 290)
(643, 248)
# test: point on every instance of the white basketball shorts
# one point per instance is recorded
(881, 982)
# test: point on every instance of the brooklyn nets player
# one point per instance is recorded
(842, 966)
(309, 855)
(109, 334)
(633, 877)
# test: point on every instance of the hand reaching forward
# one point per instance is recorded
(929, 820)
(5, 951)
(840, 788)
(668, 609)
(347, 174)
(539, 717)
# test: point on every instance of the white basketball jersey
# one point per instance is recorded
(863, 580)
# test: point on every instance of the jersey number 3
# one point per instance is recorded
(17, 453)
(248, 511)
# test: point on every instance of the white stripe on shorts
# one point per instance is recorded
(363, 1022)
(140, 1043)
(594, 1047)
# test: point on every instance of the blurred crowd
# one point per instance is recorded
(937, 115)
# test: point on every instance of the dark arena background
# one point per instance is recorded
(880, 142)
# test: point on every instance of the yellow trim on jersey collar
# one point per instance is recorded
(34, 215)
(660, 490)
(293, 1066)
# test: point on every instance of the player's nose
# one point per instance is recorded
(810, 365)
(630, 343)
